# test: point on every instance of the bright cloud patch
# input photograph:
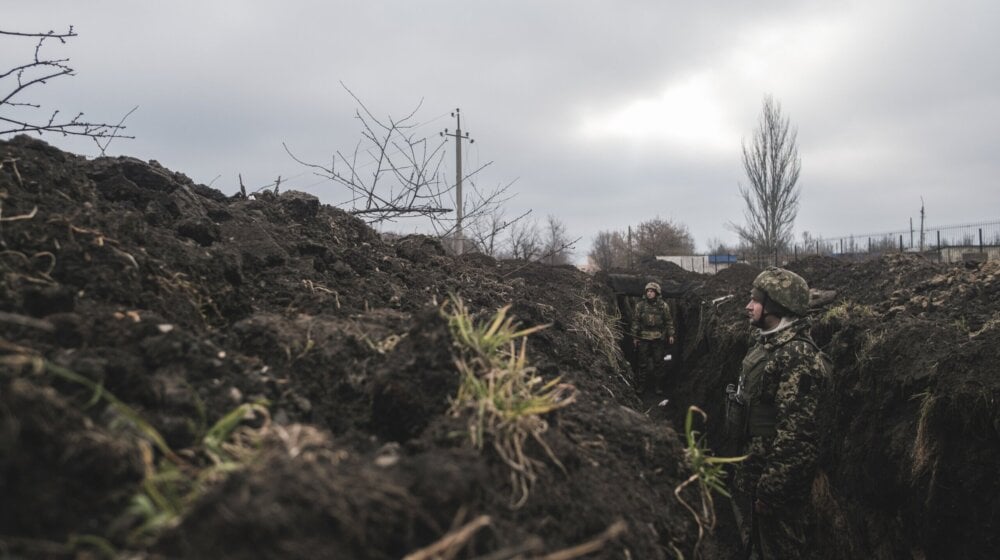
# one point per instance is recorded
(688, 115)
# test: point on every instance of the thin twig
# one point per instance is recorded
(448, 546)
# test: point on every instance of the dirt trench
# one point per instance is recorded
(915, 427)
(142, 315)
(125, 280)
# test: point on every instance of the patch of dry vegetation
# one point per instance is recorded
(502, 396)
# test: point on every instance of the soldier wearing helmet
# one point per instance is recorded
(772, 415)
(652, 330)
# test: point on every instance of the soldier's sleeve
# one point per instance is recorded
(788, 471)
(668, 319)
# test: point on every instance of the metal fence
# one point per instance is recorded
(944, 243)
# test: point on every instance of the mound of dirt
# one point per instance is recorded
(915, 424)
(136, 304)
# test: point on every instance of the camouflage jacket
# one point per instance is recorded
(782, 379)
(651, 319)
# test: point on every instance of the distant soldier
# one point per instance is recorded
(652, 330)
(772, 413)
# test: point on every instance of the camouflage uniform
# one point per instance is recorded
(652, 325)
(782, 377)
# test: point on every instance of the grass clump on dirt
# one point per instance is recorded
(707, 470)
(172, 483)
(169, 488)
(504, 398)
(846, 310)
(601, 328)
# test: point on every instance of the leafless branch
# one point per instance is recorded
(394, 174)
(114, 133)
(401, 210)
(485, 231)
(39, 70)
(556, 246)
(46, 35)
(546, 257)
(525, 240)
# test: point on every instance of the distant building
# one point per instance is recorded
(703, 264)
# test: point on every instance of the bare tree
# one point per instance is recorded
(650, 238)
(557, 247)
(772, 165)
(17, 116)
(657, 237)
(486, 230)
(525, 240)
(394, 174)
(606, 250)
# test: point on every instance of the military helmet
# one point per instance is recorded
(652, 286)
(784, 287)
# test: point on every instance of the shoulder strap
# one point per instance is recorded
(827, 362)
(808, 341)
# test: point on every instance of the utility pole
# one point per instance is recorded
(458, 136)
(630, 247)
(921, 224)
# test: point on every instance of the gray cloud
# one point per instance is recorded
(893, 100)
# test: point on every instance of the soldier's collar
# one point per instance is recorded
(782, 325)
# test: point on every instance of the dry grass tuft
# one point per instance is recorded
(502, 396)
(602, 328)
(923, 449)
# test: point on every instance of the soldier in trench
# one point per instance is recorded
(652, 331)
(772, 415)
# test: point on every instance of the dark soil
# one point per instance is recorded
(185, 303)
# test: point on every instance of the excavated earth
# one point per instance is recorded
(135, 302)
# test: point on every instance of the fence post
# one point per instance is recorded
(939, 240)
(980, 240)
(901, 243)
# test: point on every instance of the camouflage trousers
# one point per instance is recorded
(649, 362)
(778, 535)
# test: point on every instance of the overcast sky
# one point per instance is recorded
(606, 113)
